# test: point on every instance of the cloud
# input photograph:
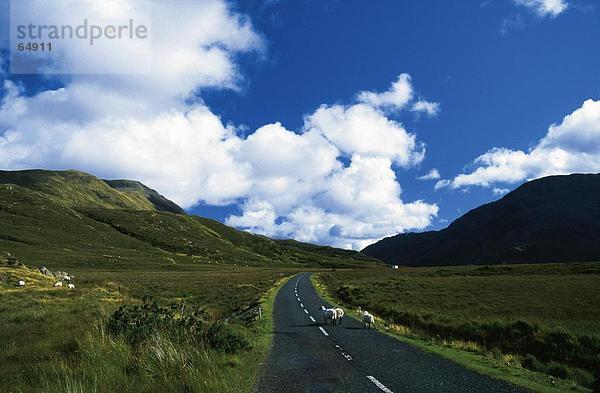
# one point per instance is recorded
(362, 129)
(352, 208)
(433, 174)
(544, 8)
(429, 108)
(330, 182)
(500, 191)
(396, 98)
(302, 189)
(569, 147)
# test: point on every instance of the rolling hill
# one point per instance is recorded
(77, 220)
(77, 189)
(553, 219)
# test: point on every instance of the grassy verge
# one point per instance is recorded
(473, 355)
(58, 340)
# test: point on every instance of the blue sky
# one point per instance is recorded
(495, 87)
(501, 71)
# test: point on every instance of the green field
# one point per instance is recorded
(57, 340)
(544, 318)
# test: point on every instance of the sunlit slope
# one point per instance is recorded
(78, 220)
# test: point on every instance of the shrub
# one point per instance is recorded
(530, 362)
(136, 324)
(224, 337)
(558, 371)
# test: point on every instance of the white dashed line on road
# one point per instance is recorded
(379, 384)
(301, 305)
(306, 311)
(312, 319)
(344, 354)
(323, 331)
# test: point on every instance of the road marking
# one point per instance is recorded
(306, 311)
(344, 354)
(379, 384)
(323, 331)
(312, 319)
(301, 305)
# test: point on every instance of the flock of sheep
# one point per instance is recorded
(62, 276)
(334, 316)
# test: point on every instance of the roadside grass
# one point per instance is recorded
(534, 326)
(56, 340)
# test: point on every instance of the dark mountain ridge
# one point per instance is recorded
(553, 219)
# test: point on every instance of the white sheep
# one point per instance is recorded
(67, 278)
(58, 284)
(339, 315)
(329, 315)
(71, 286)
(21, 283)
(368, 320)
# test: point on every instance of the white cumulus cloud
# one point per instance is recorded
(397, 97)
(363, 129)
(569, 147)
(429, 108)
(433, 174)
(543, 8)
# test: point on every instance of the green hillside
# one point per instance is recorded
(140, 194)
(77, 189)
(77, 220)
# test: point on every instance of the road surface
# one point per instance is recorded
(310, 357)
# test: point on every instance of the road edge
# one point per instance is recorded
(264, 333)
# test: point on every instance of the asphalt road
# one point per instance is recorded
(310, 357)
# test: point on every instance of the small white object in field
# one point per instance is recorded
(58, 284)
(71, 286)
(21, 283)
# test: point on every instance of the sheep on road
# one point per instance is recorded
(339, 315)
(368, 320)
(329, 315)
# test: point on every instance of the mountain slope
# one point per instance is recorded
(78, 220)
(553, 219)
(141, 194)
(75, 189)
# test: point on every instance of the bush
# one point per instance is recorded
(136, 324)
(224, 337)
(558, 371)
(532, 363)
